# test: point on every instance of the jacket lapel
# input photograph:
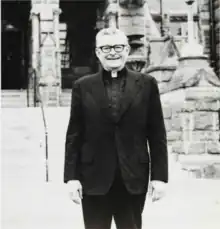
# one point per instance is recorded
(100, 95)
(132, 88)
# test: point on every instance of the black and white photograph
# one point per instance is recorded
(110, 114)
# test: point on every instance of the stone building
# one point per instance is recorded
(47, 44)
(53, 40)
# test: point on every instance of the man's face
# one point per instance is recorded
(112, 51)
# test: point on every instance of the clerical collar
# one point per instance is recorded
(108, 74)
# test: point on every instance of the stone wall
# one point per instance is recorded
(192, 126)
(192, 117)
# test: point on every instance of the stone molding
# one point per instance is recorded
(193, 71)
(160, 68)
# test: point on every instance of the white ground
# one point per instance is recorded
(29, 202)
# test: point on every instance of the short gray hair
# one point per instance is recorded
(110, 31)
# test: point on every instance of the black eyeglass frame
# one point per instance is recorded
(112, 47)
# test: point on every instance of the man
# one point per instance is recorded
(115, 114)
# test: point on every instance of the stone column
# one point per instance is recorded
(49, 74)
(192, 47)
(35, 60)
(204, 18)
(132, 20)
(112, 13)
(166, 25)
(190, 21)
(56, 13)
(35, 37)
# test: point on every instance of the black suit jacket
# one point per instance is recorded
(95, 141)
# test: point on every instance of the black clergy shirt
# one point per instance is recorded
(114, 88)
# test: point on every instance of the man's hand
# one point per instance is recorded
(75, 191)
(158, 190)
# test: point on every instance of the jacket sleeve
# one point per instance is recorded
(157, 139)
(73, 136)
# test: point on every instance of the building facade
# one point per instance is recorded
(46, 44)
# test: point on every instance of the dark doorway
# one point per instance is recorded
(15, 54)
(80, 18)
(12, 77)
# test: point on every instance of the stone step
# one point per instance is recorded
(16, 98)
(65, 99)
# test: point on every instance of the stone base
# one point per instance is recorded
(192, 119)
(201, 166)
(50, 96)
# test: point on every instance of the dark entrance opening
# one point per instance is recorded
(12, 77)
(15, 45)
(80, 18)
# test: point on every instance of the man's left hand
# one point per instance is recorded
(158, 190)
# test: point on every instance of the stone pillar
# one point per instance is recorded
(166, 25)
(56, 13)
(190, 21)
(132, 20)
(35, 60)
(191, 111)
(35, 37)
(192, 47)
(204, 18)
(49, 83)
(112, 13)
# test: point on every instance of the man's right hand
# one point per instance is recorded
(75, 191)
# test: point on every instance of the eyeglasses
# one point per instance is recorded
(108, 48)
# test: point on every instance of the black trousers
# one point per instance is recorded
(126, 208)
